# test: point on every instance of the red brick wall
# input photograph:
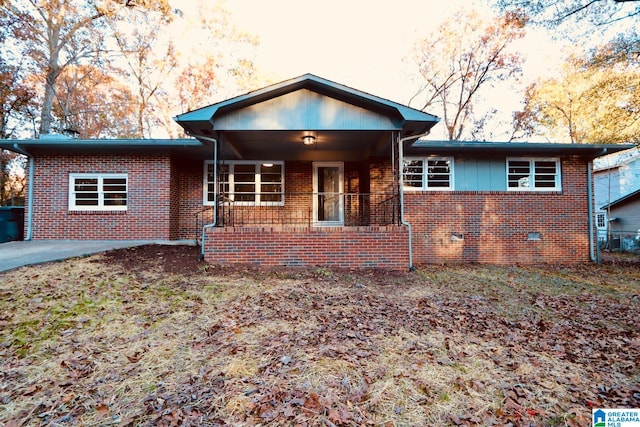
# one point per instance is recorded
(149, 205)
(298, 182)
(495, 226)
(174, 204)
(189, 196)
(165, 195)
(345, 247)
(381, 175)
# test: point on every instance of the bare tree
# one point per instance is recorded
(215, 64)
(95, 104)
(555, 12)
(149, 60)
(57, 33)
(464, 55)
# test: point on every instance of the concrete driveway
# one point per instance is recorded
(18, 254)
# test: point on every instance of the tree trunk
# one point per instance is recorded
(53, 71)
(47, 103)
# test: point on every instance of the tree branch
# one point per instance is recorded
(573, 12)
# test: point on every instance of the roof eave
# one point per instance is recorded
(626, 198)
(25, 146)
(590, 151)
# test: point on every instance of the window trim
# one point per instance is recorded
(424, 186)
(73, 206)
(532, 161)
(601, 216)
(257, 181)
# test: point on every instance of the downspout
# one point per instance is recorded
(29, 193)
(215, 192)
(401, 191)
(592, 254)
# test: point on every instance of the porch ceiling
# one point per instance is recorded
(288, 144)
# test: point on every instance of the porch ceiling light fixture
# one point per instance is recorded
(309, 139)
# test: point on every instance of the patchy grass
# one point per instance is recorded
(148, 336)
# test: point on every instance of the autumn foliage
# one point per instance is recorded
(595, 100)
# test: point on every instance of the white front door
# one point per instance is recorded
(328, 189)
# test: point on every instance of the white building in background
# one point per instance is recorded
(615, 176)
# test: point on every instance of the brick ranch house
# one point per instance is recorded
(311, 172)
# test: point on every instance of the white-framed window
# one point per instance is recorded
(246, 182)
(98, 191)
(533, 174)
(601, 220)
(428, 173)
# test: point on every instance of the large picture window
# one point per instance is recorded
(525, 174)
(249, 183)
(430, 173)
(98, 192)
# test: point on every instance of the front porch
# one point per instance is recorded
(304, 173)
(347, 230)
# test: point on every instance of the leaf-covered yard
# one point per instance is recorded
(150, 336)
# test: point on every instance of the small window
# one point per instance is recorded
(98, 192)
(248, 183)
(533, 174)
(601, 220)
(430, 173)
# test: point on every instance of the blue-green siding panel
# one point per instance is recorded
(480, 174)
(301, 110)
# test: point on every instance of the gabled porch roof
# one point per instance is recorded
(271, 122)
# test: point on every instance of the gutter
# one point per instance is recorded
(215, 193)
(401, 184)
(22, 151)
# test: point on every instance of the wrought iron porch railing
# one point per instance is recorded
(303, 209)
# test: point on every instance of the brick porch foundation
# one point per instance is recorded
(345, 247)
